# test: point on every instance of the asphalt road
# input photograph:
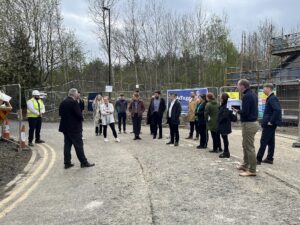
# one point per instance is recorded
(147, 182)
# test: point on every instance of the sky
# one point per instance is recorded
(243, 15)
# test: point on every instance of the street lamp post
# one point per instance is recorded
(109, 48)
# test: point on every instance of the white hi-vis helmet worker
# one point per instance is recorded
(36, 93)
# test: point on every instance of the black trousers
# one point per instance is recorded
(226, 143)
(151, 126)
(74, 139)
(137, 123)
(98, 129)
(174, 132)
(156, 122)
(122, 118)
(267, 139)
(35, 125)
(113, 129)
(193, 127)
(203, 135)
(216, 140)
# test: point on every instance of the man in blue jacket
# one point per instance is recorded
(250, 126)
(271, 119)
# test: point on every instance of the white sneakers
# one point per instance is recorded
(117, 140)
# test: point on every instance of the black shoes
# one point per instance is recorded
(201, 147)
(172, 143)
(258, 162)
(224, 155)
(39, 141)
(160, 137)
(68, 166)
(137, 138)
(214, 151)
(87, 165)
(189, 137)
(268, 161)
(154, 137)
(30, 144)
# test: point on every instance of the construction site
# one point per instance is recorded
(181, 86)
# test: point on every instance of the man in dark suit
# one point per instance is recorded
(71, 127)
(155, 113)
(271, 119)
(80, 101)
(173, 115)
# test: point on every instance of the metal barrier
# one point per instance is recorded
(16, 116)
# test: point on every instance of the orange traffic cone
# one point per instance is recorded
(6, 132)
(23, 137)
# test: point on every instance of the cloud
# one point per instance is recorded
(243, 15)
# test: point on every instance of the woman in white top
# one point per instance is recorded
(97, 114)
(107, 115)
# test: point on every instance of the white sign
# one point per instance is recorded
(233, 103)
(137, 86)
(108, 88)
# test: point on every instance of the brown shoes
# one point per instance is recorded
(241, 167)
(247, 174)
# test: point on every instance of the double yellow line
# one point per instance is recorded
(31, 183)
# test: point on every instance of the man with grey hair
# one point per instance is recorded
(249, 115)
(71, 126)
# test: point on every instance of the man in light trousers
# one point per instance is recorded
(250, 126)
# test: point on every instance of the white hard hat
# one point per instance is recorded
(36, 93)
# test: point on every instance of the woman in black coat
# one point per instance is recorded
(201, 122)
(224, 124)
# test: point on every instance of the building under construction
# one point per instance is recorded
(286, 75)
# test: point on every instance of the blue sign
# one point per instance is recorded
(183, 95)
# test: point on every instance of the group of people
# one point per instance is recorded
(103, 114)
(204, 115)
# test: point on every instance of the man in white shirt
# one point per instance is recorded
(35, 110)
(173, 119)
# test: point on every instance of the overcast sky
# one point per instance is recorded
(243, 15)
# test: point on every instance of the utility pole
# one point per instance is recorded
(109, 47)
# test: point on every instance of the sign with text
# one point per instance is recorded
(183, 95)
(108, 88)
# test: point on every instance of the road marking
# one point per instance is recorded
(21, 175)
(25, 183)
(33, 187)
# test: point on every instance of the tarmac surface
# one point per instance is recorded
(147, 182)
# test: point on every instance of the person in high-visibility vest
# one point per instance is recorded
(35, 111)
